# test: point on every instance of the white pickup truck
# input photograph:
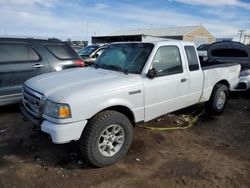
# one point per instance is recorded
(129, 83)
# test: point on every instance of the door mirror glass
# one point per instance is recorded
(151, 73)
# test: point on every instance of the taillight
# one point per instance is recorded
(80, 63)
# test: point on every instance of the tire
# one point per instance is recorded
(96, 149)
(218, 100)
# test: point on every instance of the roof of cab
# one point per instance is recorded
(159, 42)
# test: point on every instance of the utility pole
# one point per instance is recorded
(241, 31)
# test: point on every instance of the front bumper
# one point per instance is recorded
(60, 133)
(63, 133)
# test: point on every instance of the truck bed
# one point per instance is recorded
(212, 65)
(218, 71)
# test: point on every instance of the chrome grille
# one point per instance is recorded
(32, 101)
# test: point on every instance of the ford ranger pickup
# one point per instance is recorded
(129, 83)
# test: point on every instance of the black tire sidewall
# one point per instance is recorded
(95, 157)
(215, 97)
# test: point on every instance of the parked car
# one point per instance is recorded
(90, 53)
(21, 59)
(232, 52)
(128, 84)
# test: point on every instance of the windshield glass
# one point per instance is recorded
(126, 57)
(203, 47)
(87, 50)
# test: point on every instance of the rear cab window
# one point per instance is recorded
(62, 51)
(17, 52)
(193, 63)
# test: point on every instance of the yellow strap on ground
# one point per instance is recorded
(191, 122)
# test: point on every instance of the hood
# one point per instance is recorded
(57, 86)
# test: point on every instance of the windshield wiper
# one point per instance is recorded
(115, 68)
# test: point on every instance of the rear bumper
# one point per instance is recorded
(244, 84)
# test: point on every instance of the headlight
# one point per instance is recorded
(245, 73)
(57, 110)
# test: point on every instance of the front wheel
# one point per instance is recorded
(218, 99)
(106, 138)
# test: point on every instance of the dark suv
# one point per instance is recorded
(21, 59)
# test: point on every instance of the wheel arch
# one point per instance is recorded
(123, 110)
(210, 106)
(225, 82)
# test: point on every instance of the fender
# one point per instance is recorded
(138, 113)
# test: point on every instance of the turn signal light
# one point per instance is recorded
(64, 112)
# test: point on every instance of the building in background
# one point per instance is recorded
(247, 39)
(197, 34)
(77, 42)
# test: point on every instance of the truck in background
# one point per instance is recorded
(228, 52)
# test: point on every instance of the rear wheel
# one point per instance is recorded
(218, 99)
(106, 138)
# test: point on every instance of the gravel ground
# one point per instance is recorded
(215, 152)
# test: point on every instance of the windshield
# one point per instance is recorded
(203, 47)
(126, 57)
(87, 50)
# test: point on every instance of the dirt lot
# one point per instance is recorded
(213, 153)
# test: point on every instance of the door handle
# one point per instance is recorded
(38, 66)
(184, 79)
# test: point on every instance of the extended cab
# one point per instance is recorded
(129, 83)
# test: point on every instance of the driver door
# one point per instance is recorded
(168, 90)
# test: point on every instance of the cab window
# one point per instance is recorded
(167, 61)
(193, 63)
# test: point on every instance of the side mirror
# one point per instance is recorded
(151, 73)
(95, 56)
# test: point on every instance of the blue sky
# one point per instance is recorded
(81, 19)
